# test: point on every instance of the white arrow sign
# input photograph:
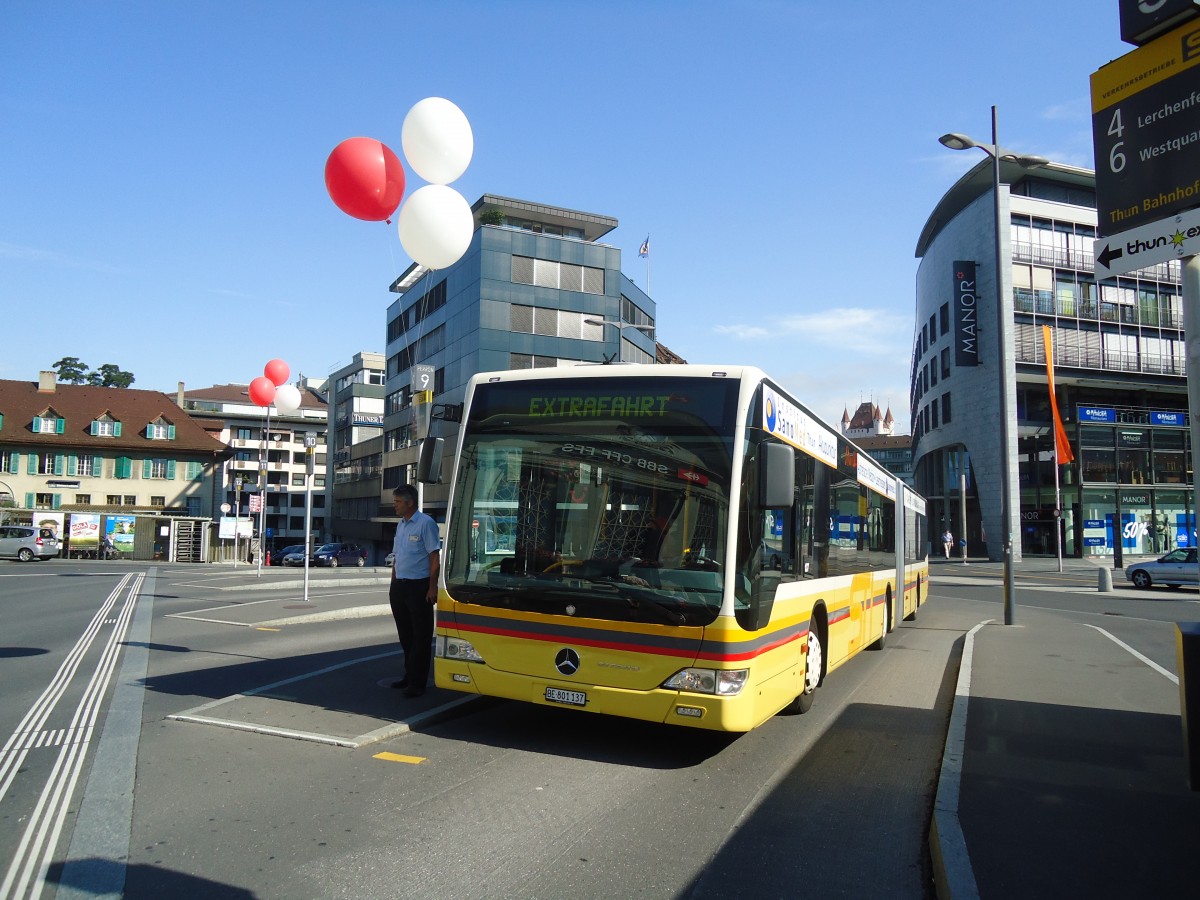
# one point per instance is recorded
(1172, 238)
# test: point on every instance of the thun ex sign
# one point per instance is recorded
(1172, 238)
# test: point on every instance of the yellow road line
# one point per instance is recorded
(397, 757)
(268, 629)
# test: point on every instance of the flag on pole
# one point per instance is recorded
(644, 250)
(1061, 445)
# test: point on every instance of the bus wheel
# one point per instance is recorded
(887, 626)
(813, 660)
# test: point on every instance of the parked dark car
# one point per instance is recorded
(339, 554)
(278, 555)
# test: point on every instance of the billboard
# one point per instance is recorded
(85, 531)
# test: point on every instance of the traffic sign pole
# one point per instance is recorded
(1190, 275)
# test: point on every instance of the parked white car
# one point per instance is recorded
(1175, 568)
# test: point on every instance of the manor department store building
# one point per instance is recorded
(1119, 373)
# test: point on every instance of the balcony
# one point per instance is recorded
(1098, 359)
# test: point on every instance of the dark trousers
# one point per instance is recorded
(414, 624)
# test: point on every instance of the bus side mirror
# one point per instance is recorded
(776, 476)
(429, 462)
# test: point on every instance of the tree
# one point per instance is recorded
(109, 375)
(71, 370)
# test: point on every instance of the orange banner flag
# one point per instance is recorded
(1061, 444)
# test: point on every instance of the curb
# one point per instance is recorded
(953, 877)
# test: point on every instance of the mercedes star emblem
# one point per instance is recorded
(567, 661)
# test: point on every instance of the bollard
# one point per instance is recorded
(1187, 662)
(1105, 584)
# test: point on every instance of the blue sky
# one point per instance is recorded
(162, 203)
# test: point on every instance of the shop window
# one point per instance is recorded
(1098, 465)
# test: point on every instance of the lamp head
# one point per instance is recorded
(1025, 161)
(957, 141)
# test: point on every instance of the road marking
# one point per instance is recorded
(260, 628)
(1151, 663)
(28, 871)
(400, 757)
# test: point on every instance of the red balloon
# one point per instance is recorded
(364, 178)
(277, 370)
(262, 391)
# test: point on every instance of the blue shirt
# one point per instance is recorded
(416, 538)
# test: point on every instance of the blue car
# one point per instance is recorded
(339, 554)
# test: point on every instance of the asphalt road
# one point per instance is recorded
(488, 799)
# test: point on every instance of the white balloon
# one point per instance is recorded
(287, 399)
(437, 140)
(435, 225)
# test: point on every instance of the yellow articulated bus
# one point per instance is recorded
(679, 544)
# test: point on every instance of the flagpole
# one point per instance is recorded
(1060, 437)
(1057, 509)
(644, 253)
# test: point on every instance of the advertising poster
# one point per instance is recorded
(120, 531)
(85, 531)
(52, 520)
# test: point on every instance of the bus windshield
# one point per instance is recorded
(605, 498)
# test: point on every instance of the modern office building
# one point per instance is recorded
(1118, 355)
(536, 288)
(277, 446)
(357, 508)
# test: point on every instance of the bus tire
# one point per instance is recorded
(880, 642)
(814, 660)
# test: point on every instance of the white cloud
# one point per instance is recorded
(871, 331)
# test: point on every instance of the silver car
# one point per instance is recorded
(1175, 568)
(26, 542)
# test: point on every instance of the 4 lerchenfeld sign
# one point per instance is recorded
(1146, 132)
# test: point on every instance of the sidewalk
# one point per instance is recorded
(1064, 773)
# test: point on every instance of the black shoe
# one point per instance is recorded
(413, 691)
(400, 685)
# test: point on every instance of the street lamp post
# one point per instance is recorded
(621, 326)
(1003, 321)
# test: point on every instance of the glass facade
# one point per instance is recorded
(1119, 368)
(535, 291)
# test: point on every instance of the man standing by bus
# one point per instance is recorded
(413, 591)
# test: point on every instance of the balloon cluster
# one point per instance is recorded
(365, 179)
(271, 387)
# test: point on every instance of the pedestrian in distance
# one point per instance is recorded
(947, 542)
(413, 590)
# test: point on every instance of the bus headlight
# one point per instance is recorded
(456, 648)
(722, 682)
